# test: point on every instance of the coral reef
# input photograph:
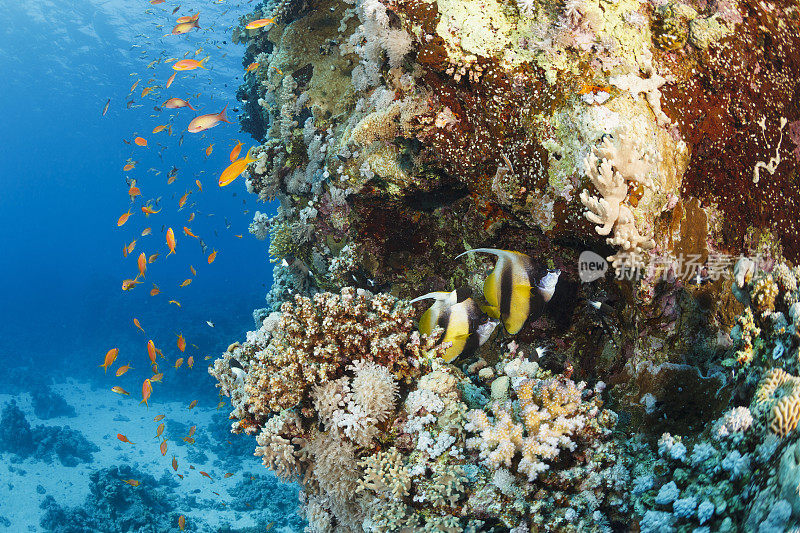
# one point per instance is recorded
(397, 134)
(49, 404)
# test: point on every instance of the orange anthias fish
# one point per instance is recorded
(146, 91)
(187, 18)
(131, 246)
(191, 217)
(137, 324)
(160, 429)
(235, 169)
(155, 290)
(251, 67)
(134, 191)
(209, 150)
(105, 107)
(174, 463)
(111, 356)
(151, 259)
(189, 233)
(147, 389)
(190, 361)
(132, 482)
(147, 210)
(236, 151)
(159, 129)
(123, 438)
(159, 417)
(260, 23)
(194, 272)
(186, 282)
(124, 218)
(175, 302)
(146, 232)
(206, 122)
(151, 351)
(128, 284)
(212, 256)
(171, 79)
(129, 166)
(192, 430)
(171, 241)
(190, 440)
(142, 263)
(182, 200)
(156, 378)
(189, 64)
(175, 103)
(181, 522)
(206, 474)
(199, 185)
(163, 447)
(178, 363)
(120, 390)
(228, 474)
(121, 370)
(181, 343)
(140, 141)
(191, 405)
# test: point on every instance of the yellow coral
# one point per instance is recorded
(786, 414)
(769, 384)
(764, 293)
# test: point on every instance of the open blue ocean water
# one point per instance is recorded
(65, 466)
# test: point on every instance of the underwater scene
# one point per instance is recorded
(503, 266)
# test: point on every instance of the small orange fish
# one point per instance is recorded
(129, 166)
(171, 79)
(199, 185)
(163, 447)
(189, 233)
(175, 302)
(178, 363)
(132, 482)
(190, 440)
(142, 263)
(105, 107)
(137, 324)
(209, 150)
(190, 361)
(131, 246)
(205, 474)
(174, 463)
(158, 417)
(251, 67)
(147, 389)
(207, 121)
(189, 64)
(155, 290)
(260, 23)
(111, 356)
(128, 284)
(192, 405)
(228, 474)
(179, 475)
(120, 390)
(181, 522)
(192, 270)
(171, 241)
(212, 256)
(140, 141)
(147, 210)
(133, 192)
(123, 438)
(159, 129)
(135, 84)
(186, 282)
(160, 429)
(188, 18)
(156, 378)
(192, 430)
(151, 351)
(146, 91)
(123, 218)
(121, 370)
(147, 231)
(235, 169)
(191, 217)
(152, 258)
(236, 151)
(176, 103)
(182, 200)
(185, 27)
(181, 343)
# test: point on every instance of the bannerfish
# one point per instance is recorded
(511, 291)
(460, 317)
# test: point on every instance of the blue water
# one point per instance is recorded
(62, 190)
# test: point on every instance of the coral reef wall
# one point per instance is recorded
(662, 135)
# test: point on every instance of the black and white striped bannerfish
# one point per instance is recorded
(510, 290)
(460, 317)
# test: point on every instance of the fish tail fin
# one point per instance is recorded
(490, 310)
(203, 61)
(222, 116)
(190, 106)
